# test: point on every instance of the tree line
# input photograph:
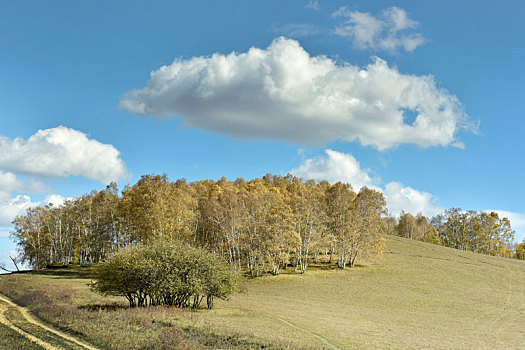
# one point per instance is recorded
(474, 231)
(262, 225)
(259, 226)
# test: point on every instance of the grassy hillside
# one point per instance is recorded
(417, 295)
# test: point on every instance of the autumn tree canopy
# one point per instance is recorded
(259, 226)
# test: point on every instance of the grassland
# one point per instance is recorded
(416, 295)
(10, 339)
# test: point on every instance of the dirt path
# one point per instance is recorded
(312, 334)
(5, 321)
(31, 319)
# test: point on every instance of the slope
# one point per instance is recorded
(416, 295)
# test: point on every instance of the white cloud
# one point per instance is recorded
(57, 152)
(10, 207)
(284, 93)
(400, 197)
(55, 199)
(336, 166)
(313, 5)
(13, 206)
(9, 182)
(61, 152)
(391, 30)
(517, 220)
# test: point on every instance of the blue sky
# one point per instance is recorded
(323, 95)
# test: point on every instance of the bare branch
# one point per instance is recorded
(14, 260)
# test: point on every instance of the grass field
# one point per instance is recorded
(9, 339)
(416, 295)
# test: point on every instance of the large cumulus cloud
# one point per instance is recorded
(51, 153)
(61, 152)
(282, 92)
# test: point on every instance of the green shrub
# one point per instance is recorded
(165, 273)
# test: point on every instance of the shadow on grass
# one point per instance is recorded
(235, 340)
(68, 271)
(320, 266)
(103, 307)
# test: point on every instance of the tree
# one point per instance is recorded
(31, 231)
(15, 259)
(407, 226)
(520, 251)
(165, 273)
(390, 225)
(279, 236)
(225, 215)
(418, 228)
(480, 232)
(2, 267)
(342, 222)
(428, 233)
(367, 233)
(156, 208)
(307, 202)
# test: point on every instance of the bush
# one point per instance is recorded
(165, 273)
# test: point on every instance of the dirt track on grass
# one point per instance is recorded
(308, 332)
(5, 303)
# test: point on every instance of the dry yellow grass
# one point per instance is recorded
(417, 295)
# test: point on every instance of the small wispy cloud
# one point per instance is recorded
(390, 31)
(296, 30)
(313, 5)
